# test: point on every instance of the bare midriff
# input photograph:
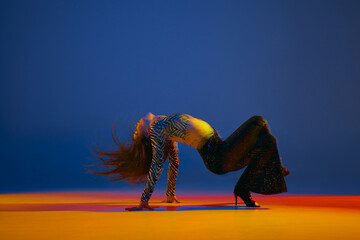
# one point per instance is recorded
(197, 133)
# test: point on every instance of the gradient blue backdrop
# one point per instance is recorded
(69, 69)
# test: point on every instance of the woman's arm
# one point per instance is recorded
(157, 137)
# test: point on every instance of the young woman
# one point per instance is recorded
(153, 142)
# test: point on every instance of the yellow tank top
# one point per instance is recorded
(197, 133)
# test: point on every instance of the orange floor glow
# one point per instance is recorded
(101, 215)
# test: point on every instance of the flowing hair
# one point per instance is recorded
(130, 163)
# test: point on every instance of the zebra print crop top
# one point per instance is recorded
(163, 132)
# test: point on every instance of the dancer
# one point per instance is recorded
(153, 142)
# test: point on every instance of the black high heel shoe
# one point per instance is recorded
(246, 197)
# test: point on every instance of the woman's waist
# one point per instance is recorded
(213, 140)
(196, 141)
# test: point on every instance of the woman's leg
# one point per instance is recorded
(221, 157)
(237, 146)
(264, 173)
(250, 145)
(172, 172)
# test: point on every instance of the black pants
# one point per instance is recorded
(251, 145)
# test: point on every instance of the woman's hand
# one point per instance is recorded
(142, 206)
(171, 199)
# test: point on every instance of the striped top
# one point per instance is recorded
(163, 132)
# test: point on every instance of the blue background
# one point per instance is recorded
(69, 69)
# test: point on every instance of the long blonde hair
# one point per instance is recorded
(127, 162)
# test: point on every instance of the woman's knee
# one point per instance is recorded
(259, 120)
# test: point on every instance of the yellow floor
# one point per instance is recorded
(90, 215)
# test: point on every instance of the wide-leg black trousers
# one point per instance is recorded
(251, 145)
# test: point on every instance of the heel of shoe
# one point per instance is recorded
(245, 195)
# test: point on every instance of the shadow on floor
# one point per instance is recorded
(116, 207)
